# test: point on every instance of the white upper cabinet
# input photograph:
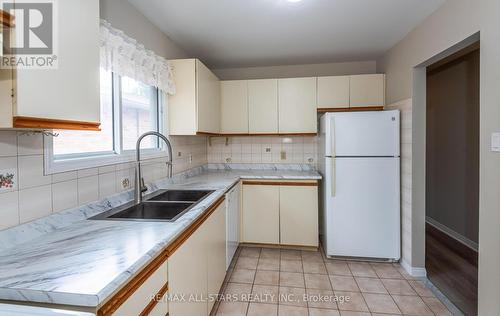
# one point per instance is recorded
(297, 105)
(367, 90)
(70, 92)
(234, 107)
(333, 92)
(195, 106)
(263, 106)
(208, 100)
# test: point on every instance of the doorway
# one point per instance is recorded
(452, 177)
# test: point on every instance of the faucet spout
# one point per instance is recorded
(139, 187)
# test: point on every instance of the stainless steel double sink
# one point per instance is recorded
(167, 205)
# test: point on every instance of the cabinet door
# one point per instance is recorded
(234, 107)
(297, 105)
(208, 100)
(187, 275)
(333, 92)
(216, 251)
(367, 90)
(70, 92)
(261, 214)
(182, 105)
(138, 301)
(263, 106)
(299, 215)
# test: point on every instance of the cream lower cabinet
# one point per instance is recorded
(260, 216)
(139, 300)
(197, 268)
(283, 213)
(299, 215)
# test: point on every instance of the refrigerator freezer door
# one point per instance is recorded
(363, 212)
(363, 134)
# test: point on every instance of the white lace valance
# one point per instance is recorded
(124, 56)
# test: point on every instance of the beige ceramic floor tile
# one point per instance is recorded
(338, 268)
(421, 289)
(291, 254)
(264, 277)
(292, 296)
(270, 253)
(291, 265)
(238, 289)
(250, 252)
(324, 299)
(412, 305)
(314, 256)
(381, 303)
(398, 287)
(371, 285)
(247, 263)
(436, 306)
(386, 270)
(292, 279)
(317, 281)
(353, 302)
(323, 312)
(343, 283)
(232, 309)
(314, 267)
(267, 294)
(284, 310)
(269, 264)
(256, 309)
(243, 276)
(362, 269)
(350, 313)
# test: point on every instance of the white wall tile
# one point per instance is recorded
(9, 209)
(107, 184)
(35, 203)
(64, 176)
(31, 172)
(8, 144)
(64, 195)
(29, 144)
(88, 189)
(83, 173)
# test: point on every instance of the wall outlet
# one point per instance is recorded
(495, 142)
(268, 150)
(283, 155)
(125, 181)
(190, 158)
(179, 154)
(228, 160)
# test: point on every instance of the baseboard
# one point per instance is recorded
(414, 271)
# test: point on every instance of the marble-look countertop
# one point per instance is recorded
(84, 262)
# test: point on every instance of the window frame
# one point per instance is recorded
(73, 162)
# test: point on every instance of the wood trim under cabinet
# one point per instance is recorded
(259, 134)
(6, 19)
(283, 183)
(126, 291)
(353, 109)
(43, 123)
(154, 301)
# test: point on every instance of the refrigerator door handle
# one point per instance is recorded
(333, 176)
(332, 135)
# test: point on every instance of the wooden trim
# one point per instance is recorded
(283, 183)
(125, 292)
(352, 109)
(154, 301)
(247, 134)
(6, 19)
(43, 123)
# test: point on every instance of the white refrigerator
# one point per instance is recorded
(360, 164)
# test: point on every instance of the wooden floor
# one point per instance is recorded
(452, 268)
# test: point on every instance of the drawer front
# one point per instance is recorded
(141, 298)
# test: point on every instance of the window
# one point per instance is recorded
(128, 109)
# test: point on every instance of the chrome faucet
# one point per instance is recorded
(139, 186)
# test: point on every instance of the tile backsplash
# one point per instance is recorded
(263, 149)
(33, 194)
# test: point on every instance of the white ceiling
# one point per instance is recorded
(243, 33)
